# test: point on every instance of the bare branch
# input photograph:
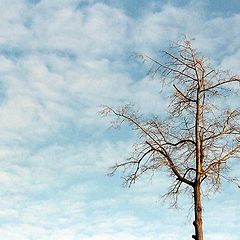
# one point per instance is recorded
(169, 68)
(231, 80)
(187, 98)
(172, 165)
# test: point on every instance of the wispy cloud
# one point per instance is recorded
(60, 60)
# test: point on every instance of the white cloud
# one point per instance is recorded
(58, 64)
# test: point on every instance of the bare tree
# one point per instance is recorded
(200, 134)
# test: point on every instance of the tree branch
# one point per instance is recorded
(169, 68)
(231, 80)
(172, 165)
(227, 156)
(187, 98)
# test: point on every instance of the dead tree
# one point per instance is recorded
(200, 134)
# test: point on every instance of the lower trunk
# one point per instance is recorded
(198, 213)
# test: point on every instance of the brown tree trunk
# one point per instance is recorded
(197, 186)
(198, 212)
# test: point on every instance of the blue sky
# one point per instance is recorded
(60, 60)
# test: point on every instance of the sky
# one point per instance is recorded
(60, 60)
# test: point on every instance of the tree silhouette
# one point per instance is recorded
(198, 137)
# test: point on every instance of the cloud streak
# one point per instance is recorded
(60, 60)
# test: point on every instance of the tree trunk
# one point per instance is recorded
(197, 186)
(198, 212)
